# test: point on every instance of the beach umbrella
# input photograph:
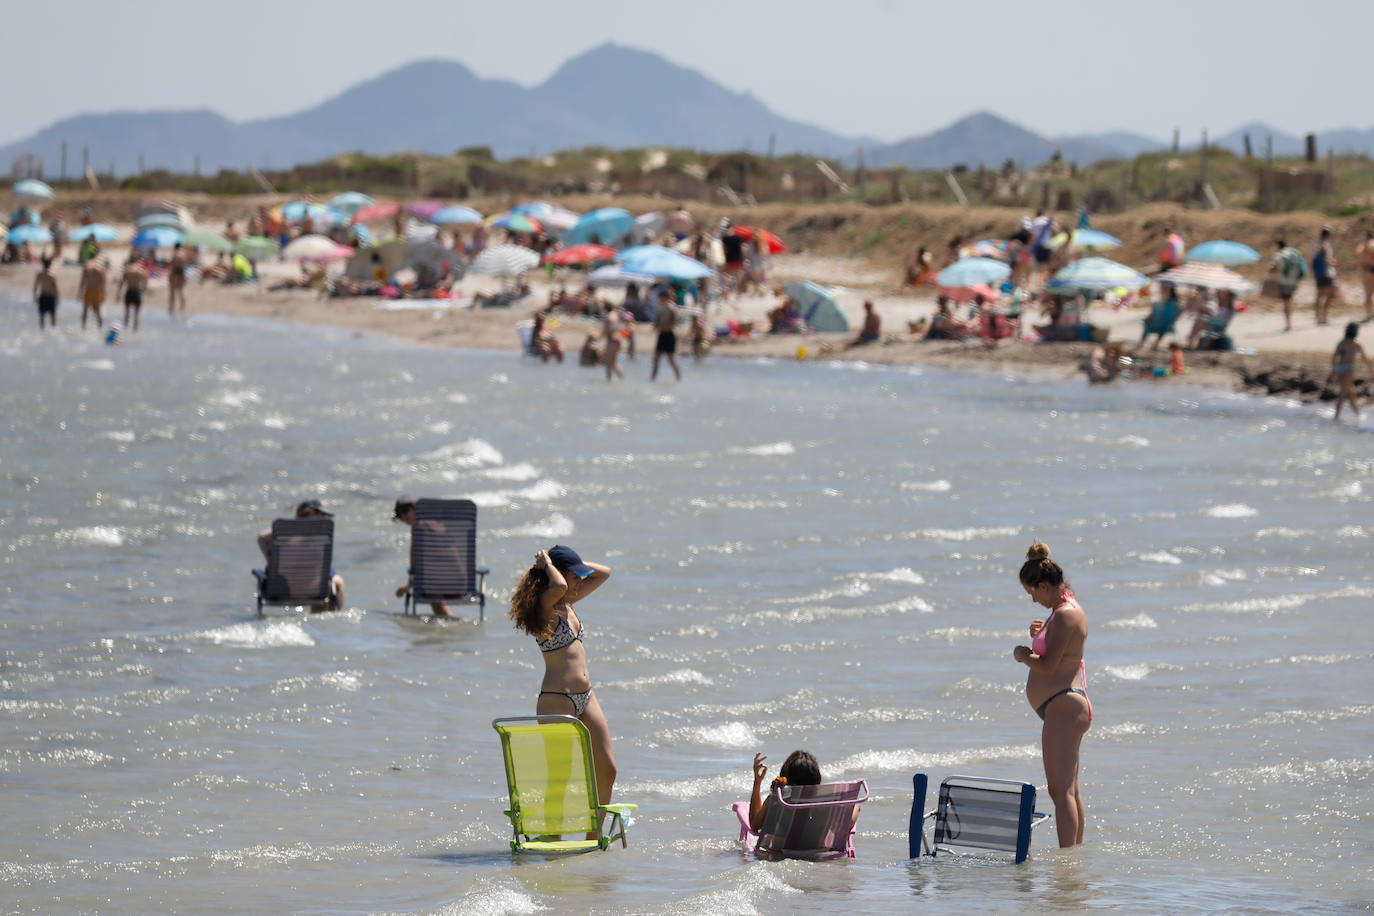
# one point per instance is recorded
(425, 208)
(558, 220)
(583, 254)
(1221, 251)
(516, 222)
(350, 202)
(609, 224)
(989, 248)
(972, 271)
(98, 231)
(773, 243)
(456, 216)
(1092, 274)
(817, 306)
(617, 275)
(205, 239)
(504, 261)
(315, 247)
(662, 262)
(1206, 276)
(536, 208)
(256, 248)
(382, 209)
(417, 231)
(34, 235)
(1088, 240)
(970, 293)
(156, 237)
(650, 225)
(170, 220)
(33, 189)
(361, 233)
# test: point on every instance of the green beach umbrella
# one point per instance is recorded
(206, 239)
(256, 247)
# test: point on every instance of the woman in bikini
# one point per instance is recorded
(1343, 369)
(542, 606)
(1057, 685)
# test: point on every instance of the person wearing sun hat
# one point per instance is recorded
(542, 606)
(308, 508)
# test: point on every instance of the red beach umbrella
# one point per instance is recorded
(774, 244)
(583, 254)
(382, 209)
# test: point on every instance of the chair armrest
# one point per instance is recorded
(260, 575)
(741, 810)
(1039, 818)
(620, 809)
(482, 570)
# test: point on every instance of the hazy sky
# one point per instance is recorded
(884, 68)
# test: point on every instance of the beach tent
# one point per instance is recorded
(817, 306)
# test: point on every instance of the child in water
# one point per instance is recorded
(799, 769)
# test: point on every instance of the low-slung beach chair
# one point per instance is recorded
(443, 556)
(807, 822)
(552, 782)
(299, 564)
(975, 813)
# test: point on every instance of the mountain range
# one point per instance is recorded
(611, 96)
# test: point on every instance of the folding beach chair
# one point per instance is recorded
(975, 813)
(807, 822)
(552, 782)
(443, 556)
(299, 564)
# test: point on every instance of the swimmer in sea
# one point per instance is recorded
(1057, 686)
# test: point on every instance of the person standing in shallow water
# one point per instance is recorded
(1057, 686)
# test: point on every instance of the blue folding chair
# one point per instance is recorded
(975, 813)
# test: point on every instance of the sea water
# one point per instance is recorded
(805, 556)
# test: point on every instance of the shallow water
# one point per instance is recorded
(814, 556)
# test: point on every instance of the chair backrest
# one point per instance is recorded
(550, 774)
(300, 560)
(444, 548)
(812, 820)
(983, 813)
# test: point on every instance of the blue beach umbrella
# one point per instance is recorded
(1093, 240)
(1226, 253)
(98, 231)
(456, 216)
(34, 235)
(609, 225)
(33, 189)
(536, 208)
(157, 237)
(817, 306)
(158, 219)
(658, 261)
(1093, 274)
(350, 202)
(973, 272)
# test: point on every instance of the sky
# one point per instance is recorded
(886, 69)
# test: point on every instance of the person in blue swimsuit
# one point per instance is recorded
(542, 606)
(1057, 686)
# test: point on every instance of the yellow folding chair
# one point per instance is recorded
(552, 782)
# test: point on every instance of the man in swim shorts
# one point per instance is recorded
(665, 321)
(132, 283)
(92, 289)
(45, 294)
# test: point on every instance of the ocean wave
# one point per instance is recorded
(554, 527)
(539, 492)
(522, 471)
(824, 612)
(928, 486)
(1282, 532)
(274, 421)
(771, 448)
(92, 536)
(489, 898)
(1223, 576)
(905, 761)
(276, 634)
(1141, 621)
(100, 365)
(680, 676)
(1158, 556)
(1353, 531)
(236, 398)
(903, 574)
(724, 734)
(1136, 672)
(472, 453)
(118, 435)
(1230, 510)
(962, 534)
(1276, 603)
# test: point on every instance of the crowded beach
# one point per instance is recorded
(606, 286)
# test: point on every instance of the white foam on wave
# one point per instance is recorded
(274, 421)
(1231, 510)
(522, 471)
(1275, 603)
(928, 486)
(1353, 531)
(907, 760)
(771, 448)
(554, 527)
(851, 589)
(723, 734)
(471, 453)
(1141, 621)
(236, 398)
(486, 898)
(541, 491)
(962, 534)
(756, 890)
(100, 365)
(276, 634)
(440, 428)
(118, 435)
(900, 574)
(1126, 672)
(822, 612)
(1351, 489)
(1219, 577)
(680, 676)
(1282, 532)
(457, 397)
(92, 536)
(1158, 556)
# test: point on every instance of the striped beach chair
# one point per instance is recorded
(443, 556)
(975, 814)
(299, 565)
(806, 822)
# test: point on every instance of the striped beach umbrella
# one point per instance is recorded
(1094, 274)
(504, 261)
(1206, 276)
(972, 272)
(98, 231)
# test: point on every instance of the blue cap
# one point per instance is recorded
(565, 559)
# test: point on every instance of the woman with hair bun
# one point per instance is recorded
(1057, 686)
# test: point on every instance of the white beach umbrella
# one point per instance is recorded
(504, 261)
(314, 248)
